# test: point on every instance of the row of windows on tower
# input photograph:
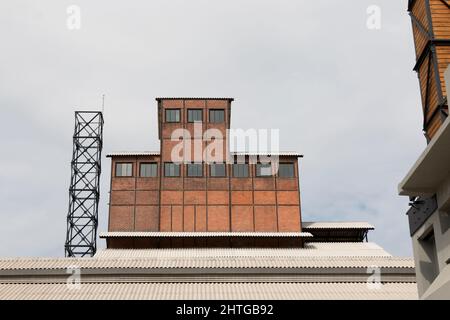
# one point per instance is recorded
(193, 115)
(239, 170)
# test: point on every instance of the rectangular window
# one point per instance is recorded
(171, 169)
(286, 170)
(148, 170)
(173, 115)
(240, 170)
(195, 115)
(195, 170)
(217, 115)
(217, 170)
(124, 169)
(263, 170)
(428, 243)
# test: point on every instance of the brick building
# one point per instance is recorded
(150, 192)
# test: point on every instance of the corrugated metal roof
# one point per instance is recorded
(203, 291)
(310, 249)
(132, 153)
(203, 234)
(216, 262)
(191, 98)
(208, 276)
(337, 225)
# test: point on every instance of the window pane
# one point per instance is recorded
(171, 170)
(286, 170)
(216, 116)
(217, 170)
(240, 170)
(124, 169)
(263, 170)
(195, 170)
(195, 115)
(172, 115)
(149, 170)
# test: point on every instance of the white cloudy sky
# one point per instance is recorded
(343, 95)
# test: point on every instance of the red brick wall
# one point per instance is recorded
(205, 203)
(134, 201)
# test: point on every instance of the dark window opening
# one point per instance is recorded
(218, 170)
(286, 170)
(240, 170)
(124, 169)
(217, 115)
(195, 170)
(195, 115)
(429, 263)
(148, 170)
(171, 170)
(173, 115)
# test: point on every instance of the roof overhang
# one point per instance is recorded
(192, 98)
(337, 231)
(432, 167)
(157, 153)
(133, 154)
(269, 154)
(337, 225)
(205, 234)
(141, 240)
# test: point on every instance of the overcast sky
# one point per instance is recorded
(343, 95)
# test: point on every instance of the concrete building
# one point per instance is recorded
(428, 181)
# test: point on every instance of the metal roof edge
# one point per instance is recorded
(119, 234)
(338, 225)
(233, 153)
(194, 98)
(132, 153)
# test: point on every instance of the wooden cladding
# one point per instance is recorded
(431, 31)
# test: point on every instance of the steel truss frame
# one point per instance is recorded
(84, 191)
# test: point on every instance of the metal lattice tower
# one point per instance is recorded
(84, 191)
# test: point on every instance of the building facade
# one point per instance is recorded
(428, 181)
(150, 192)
